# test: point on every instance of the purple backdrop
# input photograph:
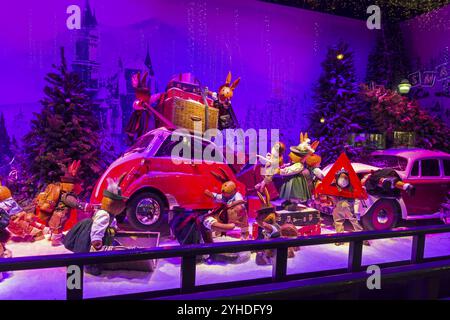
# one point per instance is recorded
(276, 51)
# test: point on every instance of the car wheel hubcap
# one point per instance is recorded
(148, 211)
(383, 217)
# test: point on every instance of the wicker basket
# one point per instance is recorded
(189, 113)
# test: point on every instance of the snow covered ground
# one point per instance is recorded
(50, 283)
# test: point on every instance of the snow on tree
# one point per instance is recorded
(338, 109)
(393, 112)
(65, 130)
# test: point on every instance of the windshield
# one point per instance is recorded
(384, 161)
(141, 144)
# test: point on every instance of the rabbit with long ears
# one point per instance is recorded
(139, 122)
(267, 222)
(222, 101)
(232, 204)
(295, 186)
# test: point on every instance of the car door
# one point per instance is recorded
(427, 177)
(177, 173)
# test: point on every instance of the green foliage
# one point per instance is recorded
(65, 130)
(338, 105)
(393, 112)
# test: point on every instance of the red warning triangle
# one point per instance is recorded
(326, 187)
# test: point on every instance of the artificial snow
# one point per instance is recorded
(50, 283)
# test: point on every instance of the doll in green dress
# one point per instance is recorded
(295, 186)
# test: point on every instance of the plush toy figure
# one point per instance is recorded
(97, 233)
(139, 121)
(344, 207)
(266, 220)
(312, 162)
(232, 211)
(295, 186)
(222, 101)
(58, 199)
(21, 224)
(272, 161)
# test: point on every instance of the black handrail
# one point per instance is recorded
(189, 252)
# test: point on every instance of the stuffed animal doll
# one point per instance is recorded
(97, 233)
(56, 202)
(140, 118)
(232, 207)
(267, 222)
(344, 207)
(272, 161)
(295, 186)
(4, 234)
(222, 101)
(21, 224)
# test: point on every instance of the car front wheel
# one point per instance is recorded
(383, 215)
(145, 211)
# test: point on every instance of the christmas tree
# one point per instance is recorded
(393, 112)
(388, 63)
(65, 130)
(5, 143)
(338, 110)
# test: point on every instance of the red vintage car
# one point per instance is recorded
(429, 173)
(155, 184)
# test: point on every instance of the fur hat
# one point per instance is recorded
(113, 191)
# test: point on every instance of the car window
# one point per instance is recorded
(185, 148)
(430, 168)
(142, 143)
(415, 169)
(172, 141)
(447, 168)
(385, 161)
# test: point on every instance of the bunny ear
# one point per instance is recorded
(301, 137)
(119, 181)
(267, 196)
(218, 176)
(315, 144)
(225, 174)
(261, 198)
(144, 79)
(228, 80)
(305, 136)
(235, 83)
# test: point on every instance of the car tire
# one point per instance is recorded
(141, 211)
(383, 215)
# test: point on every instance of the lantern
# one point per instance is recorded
(340, 56)
(404, 86)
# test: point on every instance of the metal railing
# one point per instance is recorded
(188, 255)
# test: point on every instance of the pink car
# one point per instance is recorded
(428, 171)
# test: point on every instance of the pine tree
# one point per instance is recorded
(5, 143)
(388, 63)
(338, 110)
(65, 130)
(393, 112)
